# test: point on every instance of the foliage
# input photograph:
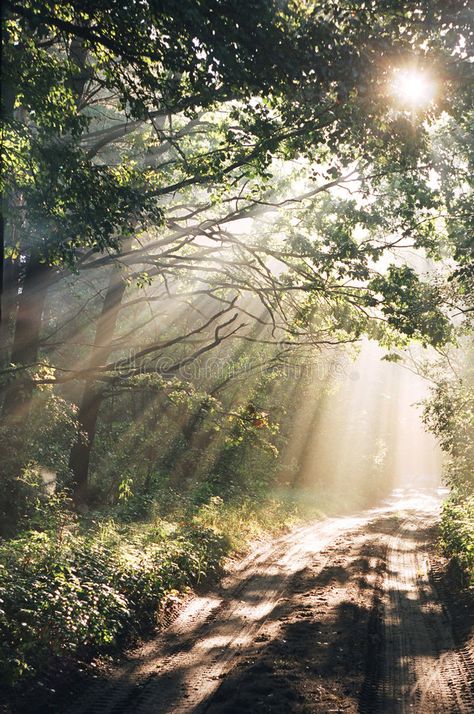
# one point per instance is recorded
(56, 597)
(68, 592)
(411, 306)
(147, 144)
(213, 194)
(450, 415)
(457, 532)
(35, 459)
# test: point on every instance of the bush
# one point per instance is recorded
(35, 457)
(57, 597)
(457, 532)
(65, 594)
(76, 586)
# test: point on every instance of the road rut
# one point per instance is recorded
(339, 615)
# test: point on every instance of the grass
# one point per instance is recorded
(80, 587)
(73, 587)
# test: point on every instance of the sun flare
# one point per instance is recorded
(413, 88)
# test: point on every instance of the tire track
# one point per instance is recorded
(413, 661)
(179, 671)
(422, 669)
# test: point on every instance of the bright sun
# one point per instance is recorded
(412, 88)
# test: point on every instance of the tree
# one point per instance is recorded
(170, 132)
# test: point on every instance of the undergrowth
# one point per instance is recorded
(71, 588)
(457, 533)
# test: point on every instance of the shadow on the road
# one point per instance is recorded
(323, 645)
(336, 653)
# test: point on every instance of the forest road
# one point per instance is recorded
(342, 615)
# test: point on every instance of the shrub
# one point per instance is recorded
(57, 597)
(76, 586)
(64, 594)
(457, 532)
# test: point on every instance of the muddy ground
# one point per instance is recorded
(350, 614)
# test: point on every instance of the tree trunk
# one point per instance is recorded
(2, 260)
(93, 393)
(9, 307)
(7, 103)
(79, 459)
(25, 347)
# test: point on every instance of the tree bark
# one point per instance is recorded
(92, 397)
(7, 103)
(9, 307)
(2, 262)
(25, 347)
(37, 274)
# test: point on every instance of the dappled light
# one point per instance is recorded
(236, 363)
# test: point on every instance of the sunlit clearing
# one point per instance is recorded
(412, 88)
(366, 436)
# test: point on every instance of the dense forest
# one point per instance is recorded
(209, 209)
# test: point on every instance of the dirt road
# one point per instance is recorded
(343, 615)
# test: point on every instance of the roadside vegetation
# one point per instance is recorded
(450, 414)
(71, 589)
